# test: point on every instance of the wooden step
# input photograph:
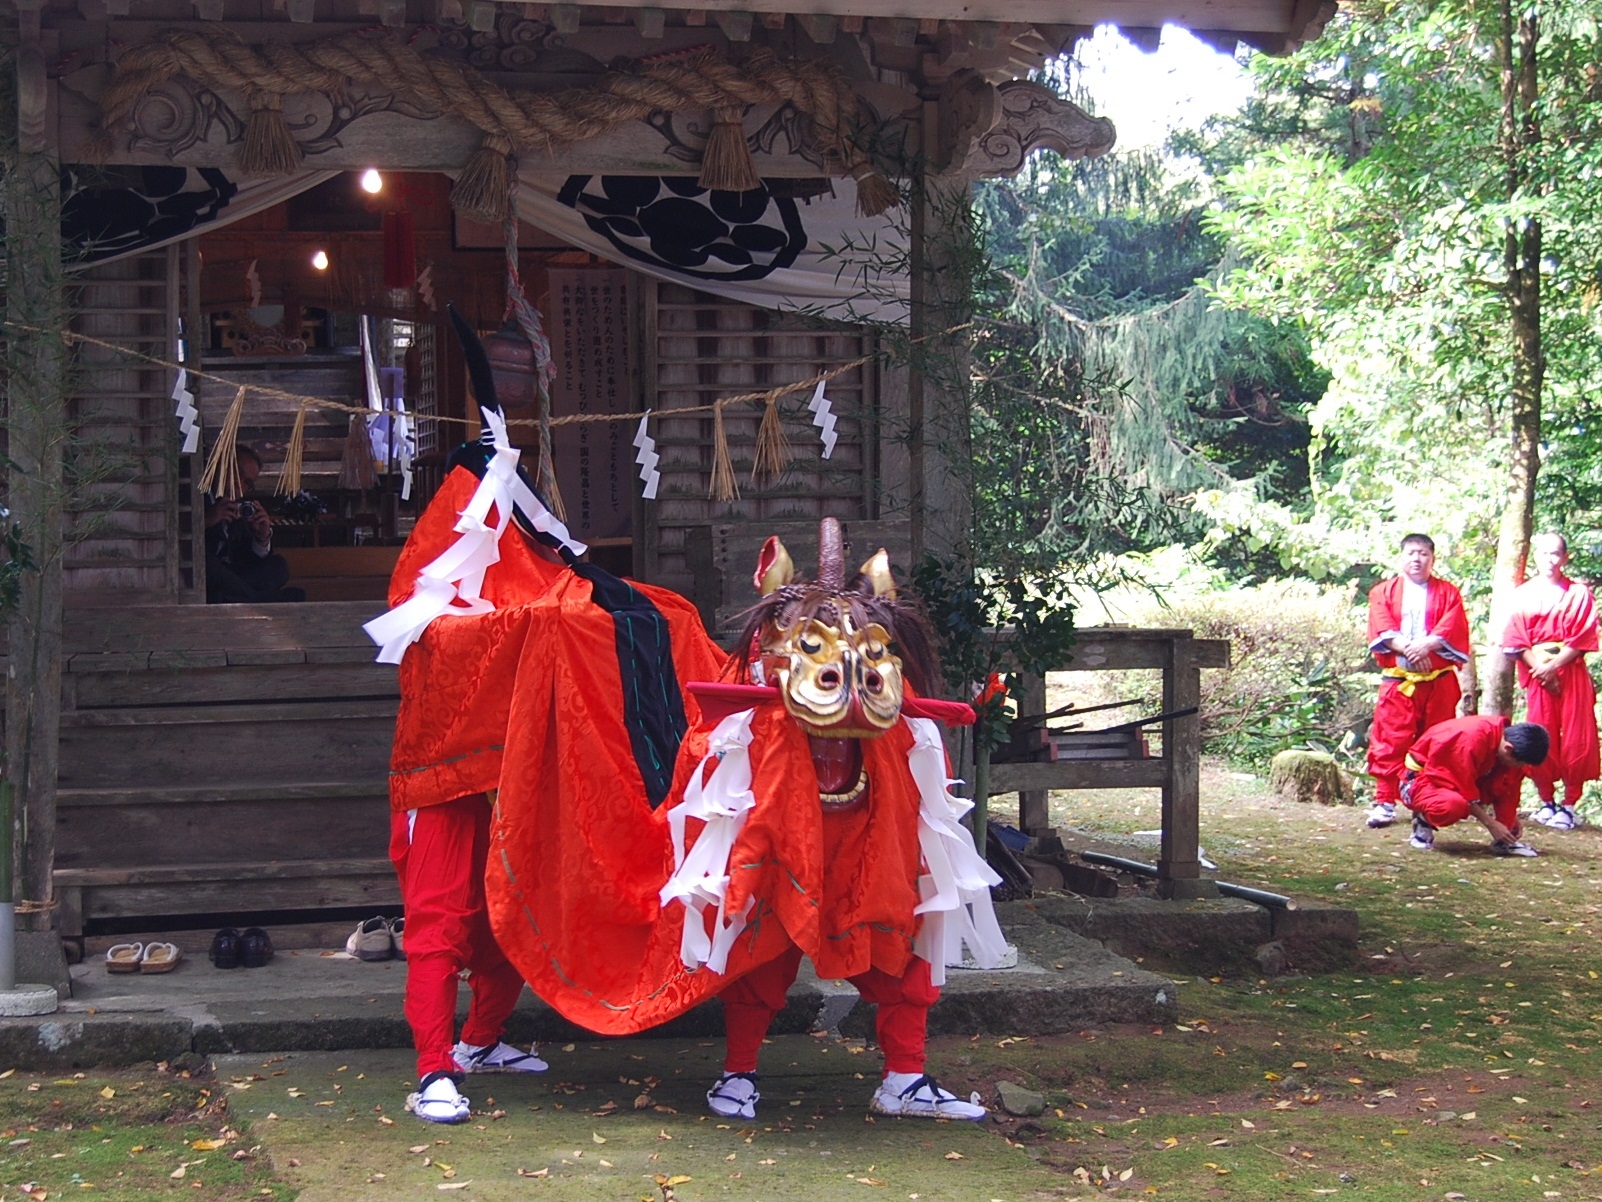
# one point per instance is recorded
(258, 791)
(206, 715)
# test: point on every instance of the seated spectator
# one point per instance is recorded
(240, 565)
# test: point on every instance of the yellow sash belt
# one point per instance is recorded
(1411, 680)
(1547, 652)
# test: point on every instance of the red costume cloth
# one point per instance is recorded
(1457, 764)
(1546, 612)
(464, 685)
(902, 1021)
(600, 947)
(458, 682)
(1405, 709)
(439, 853)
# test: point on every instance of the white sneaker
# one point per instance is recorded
(1516, 848)
(1546, 813)
(439, 1101)
(496, 1058)
(1382, 813)
(734, 1096)
(1565, 819)
(914, 1095)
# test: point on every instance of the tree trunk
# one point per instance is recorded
(1520, 136)
(35, 420)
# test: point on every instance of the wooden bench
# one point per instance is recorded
(1177, 772)
(222, 759)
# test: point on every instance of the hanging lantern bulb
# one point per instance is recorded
(372, 182)
(319, 260)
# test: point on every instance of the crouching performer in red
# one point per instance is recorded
(810, 814)
(1472, 767)
(1418, 633)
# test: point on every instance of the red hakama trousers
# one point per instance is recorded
(1399, 720)
(750, 1003)
(439, 853)
(1569, 716)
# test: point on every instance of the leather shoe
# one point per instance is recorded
(255, 947)
(226, 951)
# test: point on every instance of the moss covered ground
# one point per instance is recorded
(1455, 1059)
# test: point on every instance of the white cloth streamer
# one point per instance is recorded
(955, 886)
(824, 419)
(956, 909)
(647, 458)
(700, 877)
(185, 410)
(453, 583)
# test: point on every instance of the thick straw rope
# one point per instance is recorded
(509, 120)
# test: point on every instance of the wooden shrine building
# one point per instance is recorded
(282, 196)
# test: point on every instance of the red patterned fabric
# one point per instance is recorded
(598, 945)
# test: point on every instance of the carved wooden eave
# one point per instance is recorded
(969, 55)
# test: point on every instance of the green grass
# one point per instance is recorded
(124, 1135)
(1477, 992)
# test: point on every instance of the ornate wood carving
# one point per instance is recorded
(1033, 118)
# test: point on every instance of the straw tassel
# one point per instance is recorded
(221, 477)
(548, 486)
(726, 163)
(356, 465)
(294, 455)
(875, 193)
(773, 452)
(724, 486)
(483, 191)
(269, 148)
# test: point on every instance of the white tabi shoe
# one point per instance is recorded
(1381, 813)
(1546, 813)
(1564, 819)
(496, 1058)
(734, 1096)
(914, 1095)
(439, 1101)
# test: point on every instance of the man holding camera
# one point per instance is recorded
(240, 565)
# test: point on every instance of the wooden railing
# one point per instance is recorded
(1177, 771)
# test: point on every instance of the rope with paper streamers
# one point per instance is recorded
(510, 121)
(724, 487)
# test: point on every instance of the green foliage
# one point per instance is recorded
(1300, 673)
(1370, 199)
(17, 562)
(989, 624)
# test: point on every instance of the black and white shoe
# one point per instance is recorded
(1381, 814)
(437, 1100)
(734, 1096)
(496, 1058)
(915, 1095)
(1423, 838)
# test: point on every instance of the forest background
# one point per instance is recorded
(1217, 379)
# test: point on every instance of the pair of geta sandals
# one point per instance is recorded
(143, 957)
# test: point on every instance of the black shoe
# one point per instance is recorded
(256, 947)
(226, 949)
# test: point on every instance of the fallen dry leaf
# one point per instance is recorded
(955, 1156)
(533, 1172)
(453, 1185)
(108, 1093)
(597, 1137)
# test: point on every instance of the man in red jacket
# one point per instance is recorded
(1552, 625)
(1472, 766)
(1418, 633)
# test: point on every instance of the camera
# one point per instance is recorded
(247, 509)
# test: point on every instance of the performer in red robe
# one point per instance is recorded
(490, 583)
(1418, 633)
(810, 815)
(1552, 625)
(1472, 766)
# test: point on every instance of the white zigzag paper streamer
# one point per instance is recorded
(647, 458)
(824, 419)
(253, 279)
(185, 410)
